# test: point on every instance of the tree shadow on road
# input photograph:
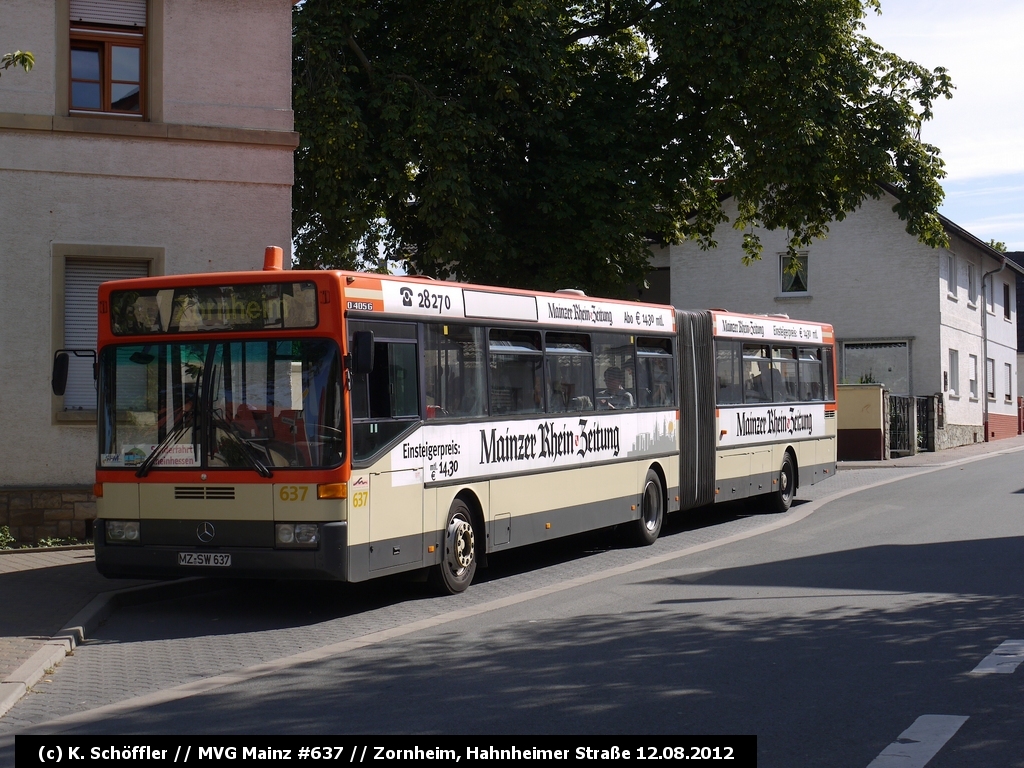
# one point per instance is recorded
(851, 643)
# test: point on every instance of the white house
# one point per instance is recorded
(152, 137)
(915, 318)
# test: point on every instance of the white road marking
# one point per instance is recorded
(1003, 660)
(920, 742)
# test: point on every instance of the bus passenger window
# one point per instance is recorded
(655, 373)
(570, 370)
(516, 372)
(613, 359)
(757, 382)
(727, 372)
(454, 367)
(785, 387)
(810, 374)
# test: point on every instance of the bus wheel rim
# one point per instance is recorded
(461, 543)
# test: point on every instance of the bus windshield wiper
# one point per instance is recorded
(247, 449)
(163, 445)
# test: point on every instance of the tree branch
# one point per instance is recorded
(609, 25)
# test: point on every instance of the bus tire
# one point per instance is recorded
(458, 560)
(782, 499)
(652, 511)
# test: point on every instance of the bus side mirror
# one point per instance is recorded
(59, 379)
(362, 352)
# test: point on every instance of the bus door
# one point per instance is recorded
(385, 411)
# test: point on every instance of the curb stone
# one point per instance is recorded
(74, 633)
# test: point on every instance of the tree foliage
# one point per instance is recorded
(546, 145)
(23, 59)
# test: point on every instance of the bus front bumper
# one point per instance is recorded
(329, 561)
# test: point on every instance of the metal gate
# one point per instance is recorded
(925, 424)
(902, 426)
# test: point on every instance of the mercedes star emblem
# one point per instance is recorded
(206, 532)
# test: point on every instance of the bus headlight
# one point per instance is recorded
(122, 531)
(297, 534)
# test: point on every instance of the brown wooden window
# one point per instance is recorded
(108, 71)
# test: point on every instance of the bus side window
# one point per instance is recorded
(516, 371)
(757, 383)
(570, 372)
(727, 372)
(456, 379)
(811, 374)
(655, 373)
(616, 375)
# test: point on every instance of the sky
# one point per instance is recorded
(980, 131)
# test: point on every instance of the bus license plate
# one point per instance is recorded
(203, 558)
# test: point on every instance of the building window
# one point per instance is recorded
(1008, 378)
(972, 284)
(954, 372)
(951, 275)
(82, 278)
(989, 301)
(108, 57)
(793, 273)
(884, 362)
(973, 371)
(1006, 301)
(990, 378)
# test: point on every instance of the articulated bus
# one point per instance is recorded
(328, 424)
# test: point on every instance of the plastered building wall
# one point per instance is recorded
(874, 282)
(203, 184)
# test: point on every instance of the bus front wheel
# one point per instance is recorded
(458, 563)
(782, 499)
(652, 511)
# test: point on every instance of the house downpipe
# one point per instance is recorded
(984, 341)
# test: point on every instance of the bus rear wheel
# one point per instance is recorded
(458, 562)
(652, 511)
(782, 499)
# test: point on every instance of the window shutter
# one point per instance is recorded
(81, 286)
(122, 13)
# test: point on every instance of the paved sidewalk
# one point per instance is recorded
(938, 458)
(53, 599)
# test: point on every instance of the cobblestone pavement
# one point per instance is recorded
(153, 646)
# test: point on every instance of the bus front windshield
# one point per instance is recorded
(258, 405)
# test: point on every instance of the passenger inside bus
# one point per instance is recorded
(614, 396)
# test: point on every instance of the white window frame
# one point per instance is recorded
(954, 373)
(1008, 370)
(972, 285)
(990, 378)
(951, 276)
(972, 370)
(1007, 302)
(783, 261)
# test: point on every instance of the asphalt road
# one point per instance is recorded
(828, 637)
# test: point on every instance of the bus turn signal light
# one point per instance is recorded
(97, 490)
(332, 491)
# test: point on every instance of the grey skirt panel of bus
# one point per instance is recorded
(697, 421)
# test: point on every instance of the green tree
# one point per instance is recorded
(546, 145)
(23, 59)
(998, 245)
